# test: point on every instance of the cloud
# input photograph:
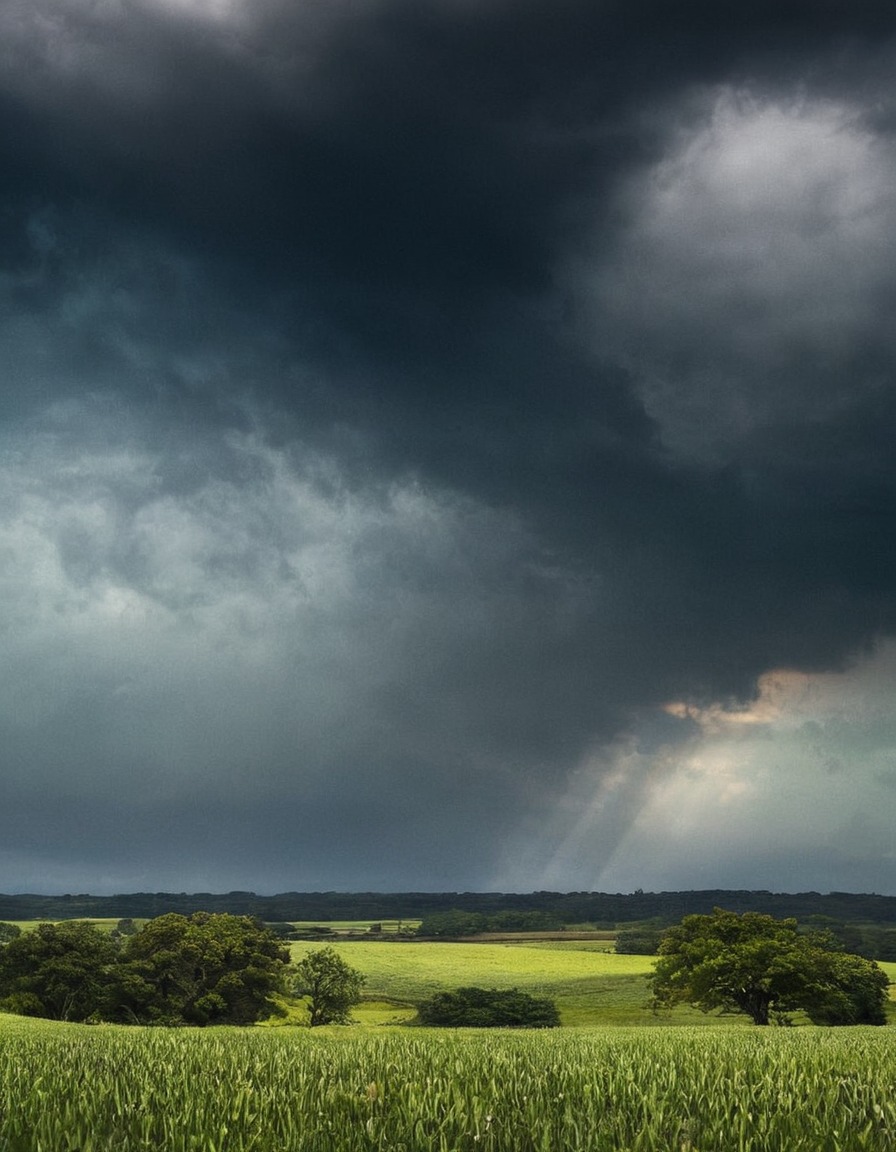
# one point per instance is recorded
(266, 649)
(428, 427)
(767, 230)
(789, 792)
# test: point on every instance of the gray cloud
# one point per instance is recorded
(405, 402)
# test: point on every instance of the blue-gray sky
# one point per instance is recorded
(447, 444)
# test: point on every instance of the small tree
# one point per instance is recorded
(755, 964)
(8, 932)
(331, 985)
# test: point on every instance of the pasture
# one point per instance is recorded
(106, 924)
(588, 984)
(75, 1088)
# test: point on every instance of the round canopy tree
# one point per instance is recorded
(756, 964)
(208, 968)
(61, 971)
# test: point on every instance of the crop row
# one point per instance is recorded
(107, 1089)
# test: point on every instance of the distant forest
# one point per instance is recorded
(601, 909)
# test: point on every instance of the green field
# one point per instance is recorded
(588, 984)
(600, 1086)
(74, 1088)
(107, 924)
(388, 927)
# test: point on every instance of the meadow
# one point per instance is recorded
(76, 1088)
(589, 984)
(611, 1080)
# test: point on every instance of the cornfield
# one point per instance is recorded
(104, 1089)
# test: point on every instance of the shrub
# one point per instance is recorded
(489, 1008)
(638, 941)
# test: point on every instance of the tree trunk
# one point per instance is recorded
(758, 1009)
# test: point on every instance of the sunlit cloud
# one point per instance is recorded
(808, 764)
(783, 698)
(772, 219)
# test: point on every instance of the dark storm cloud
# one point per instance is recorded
(408, 399)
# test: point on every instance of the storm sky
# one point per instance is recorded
(447, 444)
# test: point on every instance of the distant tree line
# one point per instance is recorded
(873, 941)
(457, 922)
(873, 917)
(870, 941)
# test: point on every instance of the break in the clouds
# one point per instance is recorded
(447, 445)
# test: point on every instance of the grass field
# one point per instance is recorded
(107, 924)
(73, 1088)
(588, 984)
(725, 1086)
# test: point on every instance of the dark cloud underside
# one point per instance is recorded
(405, 401)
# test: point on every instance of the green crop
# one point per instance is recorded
(74, 1088)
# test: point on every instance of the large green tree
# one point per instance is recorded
(208, 968)
(331, 985)
(61, 971)
(758, 965)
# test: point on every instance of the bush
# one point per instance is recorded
(639, 941)
(489, 1008)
